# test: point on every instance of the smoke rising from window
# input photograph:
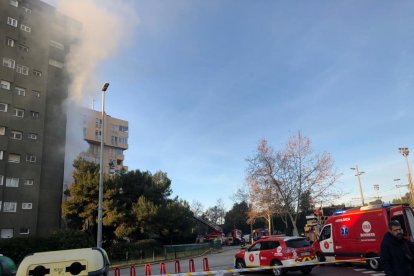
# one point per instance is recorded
(104, 26)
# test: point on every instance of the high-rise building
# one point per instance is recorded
(34, 42)
(115, 140)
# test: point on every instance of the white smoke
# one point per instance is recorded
(103, 28)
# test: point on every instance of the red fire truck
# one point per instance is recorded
(357, 233)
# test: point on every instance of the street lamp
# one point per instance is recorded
(376, 188)
(358, 174)
(101, 169)
(399, 186)
(405, 152)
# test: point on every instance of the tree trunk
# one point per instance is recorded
(295, 228)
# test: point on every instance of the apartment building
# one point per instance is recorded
(33, 86)
(115, 140)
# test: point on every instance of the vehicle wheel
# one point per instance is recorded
(240, 264)
(306, 270)
(278, 271)
(321, 257)
(373, 263)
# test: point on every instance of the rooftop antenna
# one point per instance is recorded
(93, 103)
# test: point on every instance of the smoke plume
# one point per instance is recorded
(103, 28)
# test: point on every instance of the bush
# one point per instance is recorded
(18, 248)
(137, 250)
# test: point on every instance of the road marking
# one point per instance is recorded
(360, 269)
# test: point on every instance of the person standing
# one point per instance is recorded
(397, 254)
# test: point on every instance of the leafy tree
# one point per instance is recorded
(287, 174)
(404, 200)
(176, 222)
(236, 218)
(80, 209)
(130, 202)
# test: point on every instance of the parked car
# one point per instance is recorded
(294, 252)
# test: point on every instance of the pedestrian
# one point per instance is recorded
(397, 254)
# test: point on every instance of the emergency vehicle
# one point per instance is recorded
(358, 233)
(296, 253)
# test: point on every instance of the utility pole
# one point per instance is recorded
(405, 152)
(358, 174)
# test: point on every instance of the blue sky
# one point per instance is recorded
(201, 82)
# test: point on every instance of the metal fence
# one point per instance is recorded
(166, 253)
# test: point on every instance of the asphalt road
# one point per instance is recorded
(225, 260)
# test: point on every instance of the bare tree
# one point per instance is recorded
(278, 179)
(197, 208)
(216, 213)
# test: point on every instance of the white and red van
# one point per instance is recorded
(358, 233)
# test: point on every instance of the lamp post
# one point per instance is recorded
(99, 234)
(358, 174)
(376, 188)
(405, 152)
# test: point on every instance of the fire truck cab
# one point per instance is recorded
(358, 233)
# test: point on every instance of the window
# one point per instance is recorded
(37, 73)
(2, 130)
(56, 44)
(12, 182)
(21, 69)
(12, 22)
(25, 28)
(55, 63)
(16, 135)
(20, 91)
(31, 158)
(114, 140)
(1, 180)
(10, 42)
(23, 48)
(98, 123)
(28, 182)
(35, 93)
(119, 151)
(123, 128)
(3, 107)
(6, 233)
(14, 158)
(97, 134)
(24, 230)
(123, 140)
(5, 84)
(1, 154)
(9, 207)
(34, 114)
(14, 3)
(18, 112)
(27, 10)
(32, 136)
(8, 62)
(26, 205)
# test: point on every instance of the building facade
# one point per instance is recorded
(33, 87)
(115, 140)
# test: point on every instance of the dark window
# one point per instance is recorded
(297, 243)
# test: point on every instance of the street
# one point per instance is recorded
(224, 260)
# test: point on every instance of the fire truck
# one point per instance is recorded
(358, 233)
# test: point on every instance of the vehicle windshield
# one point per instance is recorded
(297, 243)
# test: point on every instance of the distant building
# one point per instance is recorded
(33, 86)
(115, 140)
